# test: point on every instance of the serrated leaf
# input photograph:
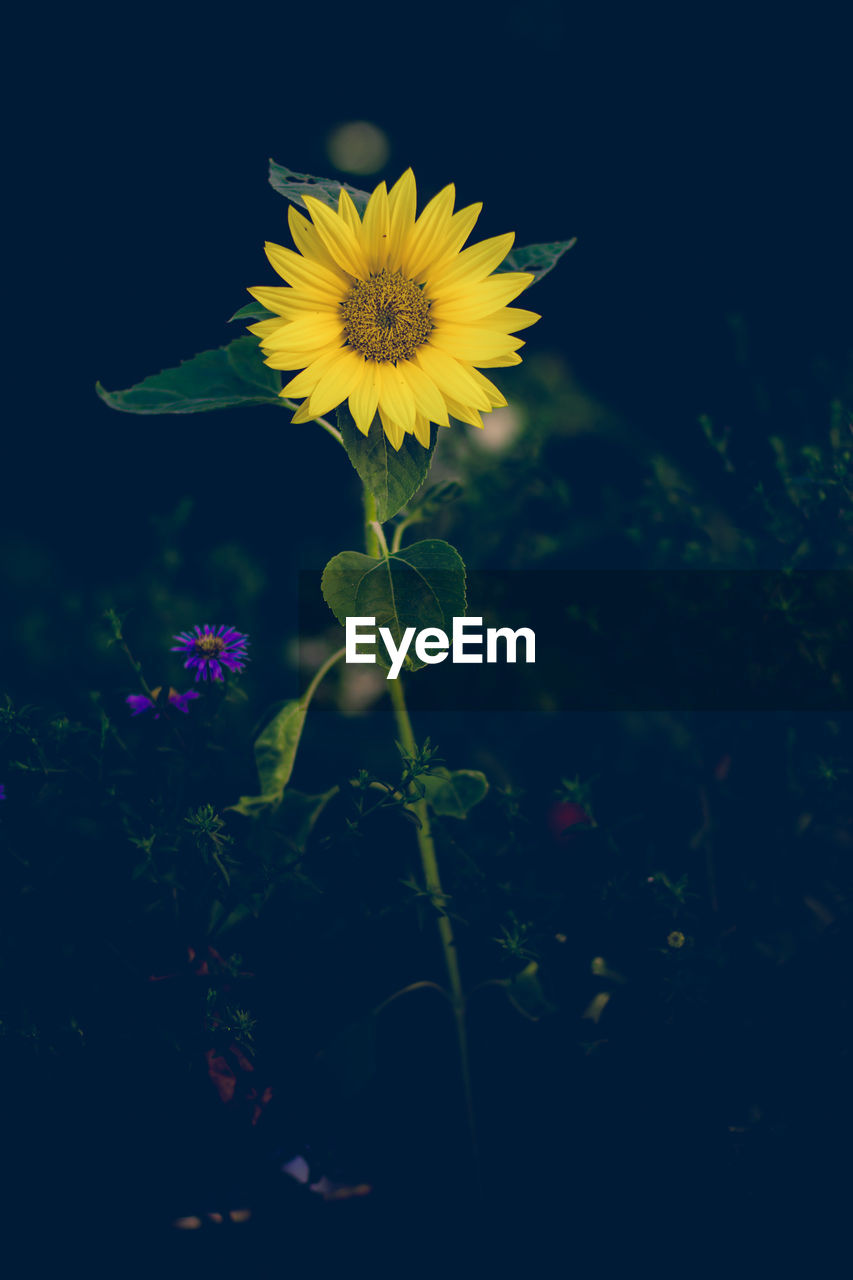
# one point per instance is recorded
(221, 379)
(420, 586)
(252, 311)
(453, 795)
(293, 186)
(538, 258)
(392, 475)
(526, 995)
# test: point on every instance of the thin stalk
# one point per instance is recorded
(397, 540)
(432, 881)
(326, 667)
(322, 422)
(426, 846)
(380, 538)
(371, 542)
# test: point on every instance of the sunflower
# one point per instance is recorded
(390, 313)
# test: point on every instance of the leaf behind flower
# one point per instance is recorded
(293, 186)
(392, 475)
(538, 258)
(221, 379)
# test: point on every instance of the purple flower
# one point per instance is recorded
(211, 650)
(2, 792)
(139, 702)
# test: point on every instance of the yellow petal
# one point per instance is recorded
(395, 395)
(459, 229)
(450, 377)
(305, 382)
(306, 333)
(464, 413)
(426, 239)
(500, 362)
(375, 229)
(338, 237)
(507, 319)
(335, 384)
(265, 327)
(293, 359)
(364, 398)
(348, 211)
(477, 300)
(473, 264)
(291, 304)
(466, 342)
(273, 297)
(311, 277)
(395, 433)
(429, 401)
(402, 202)
(495, 397)
(303, 413)
(422, 430)
(308, 242)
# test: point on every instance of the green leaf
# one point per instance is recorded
(538, 258)
(391, 475)
(275, 753)
(252, 311)
(453, 795)
(351, 1057)
(293, 186)
(221, 379)
(526, 995)
(421, 586)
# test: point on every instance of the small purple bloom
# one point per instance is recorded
(211, 650)
(139, 703)
(2, 792)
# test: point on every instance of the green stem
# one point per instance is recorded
(371, 542)
(326, 667)
(432, 881)
(397, 540)
(322, 422)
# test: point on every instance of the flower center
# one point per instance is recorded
(386, 317)
(209, 646)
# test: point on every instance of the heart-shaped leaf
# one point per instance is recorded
(420, 586)
(392, 475)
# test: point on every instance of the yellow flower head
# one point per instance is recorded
(389, 312)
